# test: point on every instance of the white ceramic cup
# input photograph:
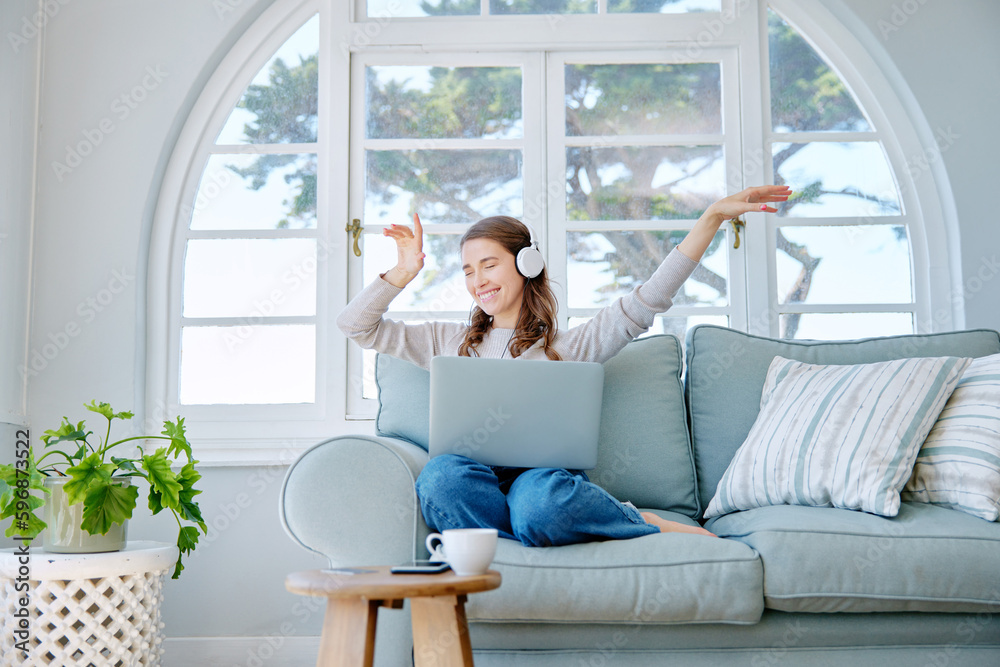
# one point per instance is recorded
(466, 550)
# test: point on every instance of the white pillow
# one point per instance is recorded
(959, 463)
(837, 436)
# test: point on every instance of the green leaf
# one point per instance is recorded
(188, 507)
(35, 526)
(108, 503)
(187, 540)
(162, 478)
(67, 431)
(155, 501)
(176, 431)
(10, 509)
(105, 409)
(86, 474)
(124, 464)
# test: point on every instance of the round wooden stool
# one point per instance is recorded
(437, 607)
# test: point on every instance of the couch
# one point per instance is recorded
(785, 584)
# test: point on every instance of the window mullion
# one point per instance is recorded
(263, 149)
(555, 170)
(756, 169)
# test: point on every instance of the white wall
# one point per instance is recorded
(19, 83)
(92, 227)
(948, 54)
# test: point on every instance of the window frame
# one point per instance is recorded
(729, 137)
(766, 310)
(246, 435)
(235, 434)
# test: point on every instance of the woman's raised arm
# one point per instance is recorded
(751, 200)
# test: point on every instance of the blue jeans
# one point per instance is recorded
(540, 507)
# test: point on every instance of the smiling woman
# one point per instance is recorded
(515, 315)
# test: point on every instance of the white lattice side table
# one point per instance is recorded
(86, 609)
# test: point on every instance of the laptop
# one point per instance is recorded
(516, 412)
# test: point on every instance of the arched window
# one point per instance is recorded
(609, 125)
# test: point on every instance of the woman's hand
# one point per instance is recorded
(409, 252)
(751, 200)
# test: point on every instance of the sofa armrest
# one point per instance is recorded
(352, 499)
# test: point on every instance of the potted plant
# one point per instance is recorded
(88, 476)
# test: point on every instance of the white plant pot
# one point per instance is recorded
(63, 534)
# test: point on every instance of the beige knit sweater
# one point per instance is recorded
(597, 340)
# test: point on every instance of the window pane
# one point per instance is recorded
(851, 264)
(389, 9)
(248, 364)
(368, 387)
(458, 186)
(253, 278)
(602, 266)
(434, 102)
(845, 326)
(806, 95)
(676, 326)
(664, 6)
(836, 179)
(543, 6)
(643, 182)
(643, 99)
(281, 104)
(256, 192)
(439, 288)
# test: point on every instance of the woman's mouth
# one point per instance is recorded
(486, 296)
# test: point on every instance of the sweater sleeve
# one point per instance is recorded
(630, 316)
(363, 322)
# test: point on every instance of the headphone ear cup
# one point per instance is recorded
(529, 262)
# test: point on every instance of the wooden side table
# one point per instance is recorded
(437, 607)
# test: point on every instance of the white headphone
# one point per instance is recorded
(529, 260)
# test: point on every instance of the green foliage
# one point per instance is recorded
(543, 6)
(806, 95)
(287, 107)
(286, 110)
(96, 479)
(639, 6)
(88, 473)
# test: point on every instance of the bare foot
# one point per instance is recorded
(666, 526)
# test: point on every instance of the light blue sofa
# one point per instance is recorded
(787, 585)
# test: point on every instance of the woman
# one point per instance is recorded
(514, 316)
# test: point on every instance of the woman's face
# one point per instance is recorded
(493, 281)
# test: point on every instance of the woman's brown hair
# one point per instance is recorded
(537, 319)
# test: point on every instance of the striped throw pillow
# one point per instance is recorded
(837, 436)
(959, 463)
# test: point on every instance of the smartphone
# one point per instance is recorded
(420, 567)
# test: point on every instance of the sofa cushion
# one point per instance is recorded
(816, 559)
(644, 454)
(837, 436)
(959, 463)
(662, 578)
(726, 371)
(404, 399)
